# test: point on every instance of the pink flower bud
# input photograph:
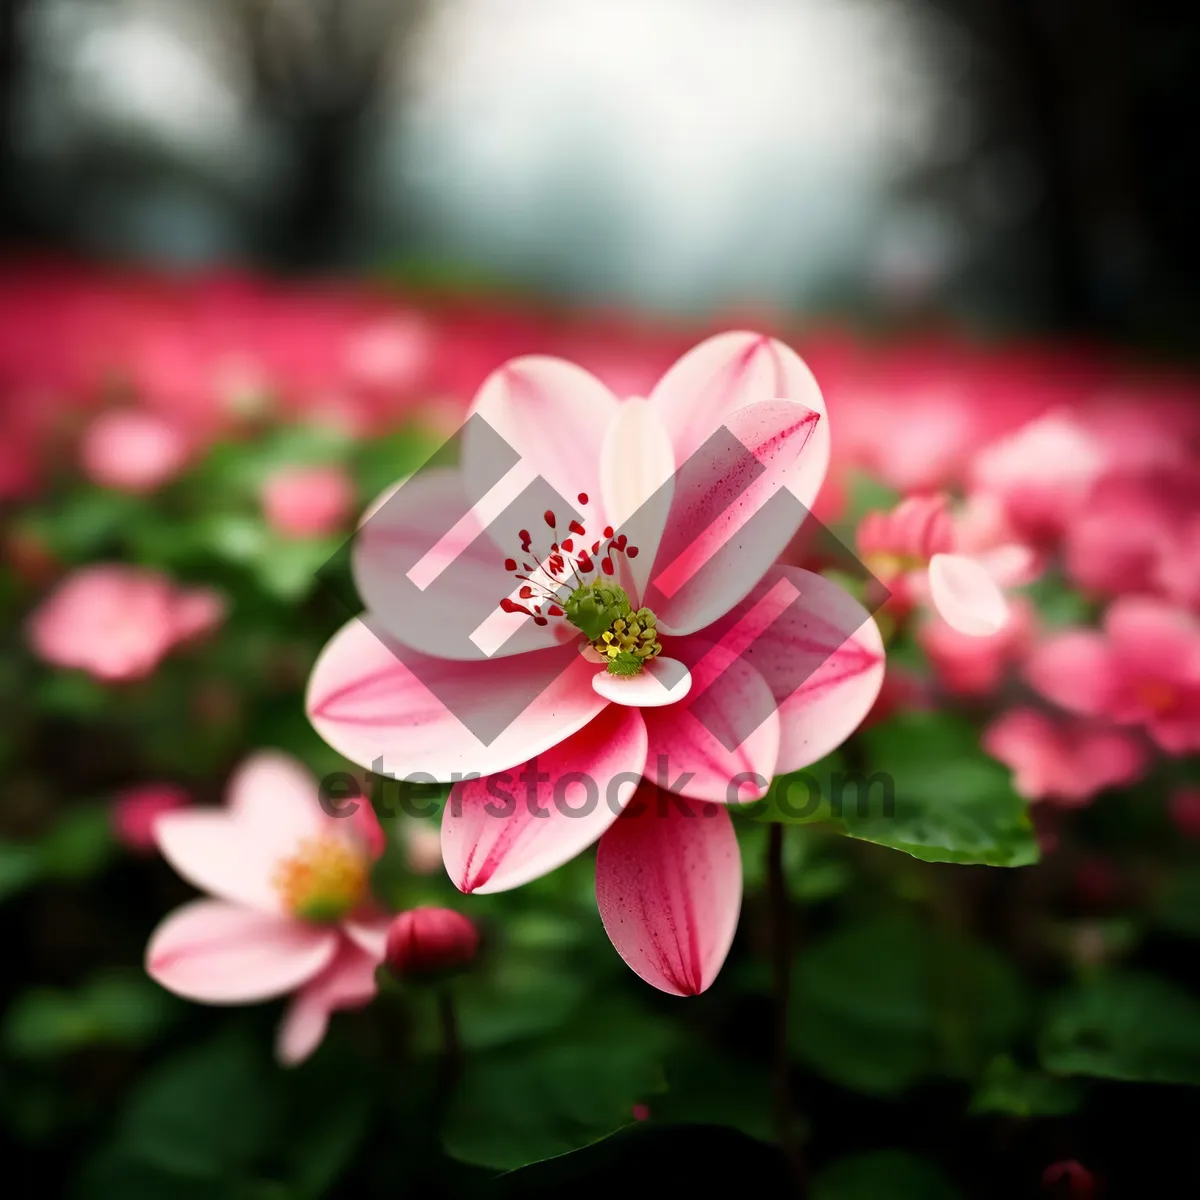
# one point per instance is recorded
(430, 941)
(1185, 811)
(1069, 1179)
(132, 451)
(307, 501)
(135, 811)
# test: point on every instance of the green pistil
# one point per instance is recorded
(628, 640)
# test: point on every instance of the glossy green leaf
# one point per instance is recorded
(1126, 1026)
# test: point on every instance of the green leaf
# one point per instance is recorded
(1016, 1092)
(1124, 1026)
(1177, 906)
(20, 865)
(929, 790)
(883, 1175)
(526, 1102)
(116, 1009)
(206, 1112)
(883, 1003)
(707, 1087)
(636, 1160)
(79, 844)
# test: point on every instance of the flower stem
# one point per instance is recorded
(781, 964)
(451, 1042)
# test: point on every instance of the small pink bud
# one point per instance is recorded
(1069, 1179)
(132, 451)
(135, 811)
(641, 1112)
(1185, 811)
(426, 942)
(307, 501)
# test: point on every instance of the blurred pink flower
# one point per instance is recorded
(975, 666)
(1143, 668)
(132, 451)
(912, 551)
(390, 354)
(668, 886)
(117, 622)
(1043, 473)
(1177, 571)
(422, 846)
(1062, 758)
(292, 910)
(135, 811)
(308, 501)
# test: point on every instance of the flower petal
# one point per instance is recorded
(347, 982)
(662, 681)
(637, 468)
(431, 575)
(728, 372)
(966, 596)
(669, 888)
(274, 799)
(722, 742)
(497, 835)
(1076, 670)
(731, 515)
(220, 953)
(219, 854)
(552, 413)
(820, 653)
(374, 701)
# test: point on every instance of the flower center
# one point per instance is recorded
(569, 583)
(323, 881)
(1156, 696)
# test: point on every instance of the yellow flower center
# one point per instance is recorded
(630, 642)
(323, 881)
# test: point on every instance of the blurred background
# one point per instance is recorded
(257, 257)
(1028, 163)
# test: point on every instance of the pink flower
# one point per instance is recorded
(1130, 537)
(290, 911)
(975, 666)
(429, 942)
(117, 622)
(912, 550)
(308, 501)
(132, 451)
(1177, 571)
(795, 661)
(135, 811)
(1043, 472)
(1142, 669)
(1062, 758)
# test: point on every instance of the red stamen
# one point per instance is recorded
(583, 498)
(568, 545)
(548, 517)
(575, 527)
(555, 611)
(510, 564)
(526, 593)
(608, 531)
(632, 552)
(606, 565)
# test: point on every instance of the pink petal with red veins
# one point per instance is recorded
(729, 522)
(723, 374)
(820, 653)
(219, 953)
(496, 835)
(369, 706)
(669, 888)
(431, 576)
(722, 743)
(553, 414)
